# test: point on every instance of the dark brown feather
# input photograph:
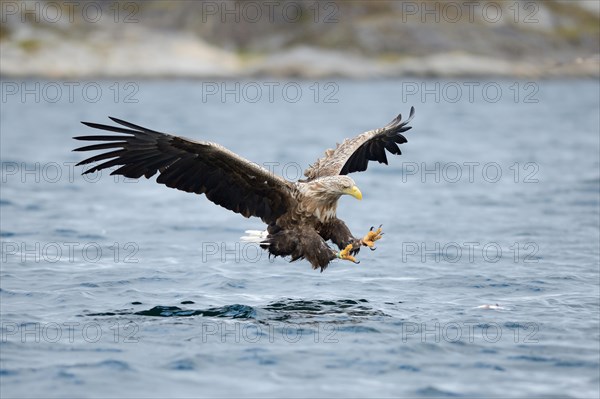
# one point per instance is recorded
(192, 166)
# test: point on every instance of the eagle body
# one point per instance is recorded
(300, 216)
(303, 231)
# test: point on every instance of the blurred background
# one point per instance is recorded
(306, 38)
(113, 287)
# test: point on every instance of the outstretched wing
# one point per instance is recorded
(353, 155)
(192, 166)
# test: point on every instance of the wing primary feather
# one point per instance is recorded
(100, 157)
(400, 139)
(108, 164)
(133, 126)
(102, 138)
(104, 146)
(392, 147)
(109, 128)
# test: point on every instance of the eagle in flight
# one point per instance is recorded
(300, 216)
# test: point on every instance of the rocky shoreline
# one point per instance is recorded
(187, 57)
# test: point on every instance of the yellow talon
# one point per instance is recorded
(345, 254)
(371, 237)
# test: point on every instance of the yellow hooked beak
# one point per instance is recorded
(355, 192)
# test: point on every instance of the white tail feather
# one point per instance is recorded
(255, 236)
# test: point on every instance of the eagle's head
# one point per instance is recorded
(331, 188)
(319, 197)
(344, 185)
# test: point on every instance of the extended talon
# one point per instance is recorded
(345, 254)
(372, 236)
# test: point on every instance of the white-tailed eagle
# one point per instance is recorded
(300, 216)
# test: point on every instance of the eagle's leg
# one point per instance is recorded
(369, 239)
(345, 254)
(337, 231)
